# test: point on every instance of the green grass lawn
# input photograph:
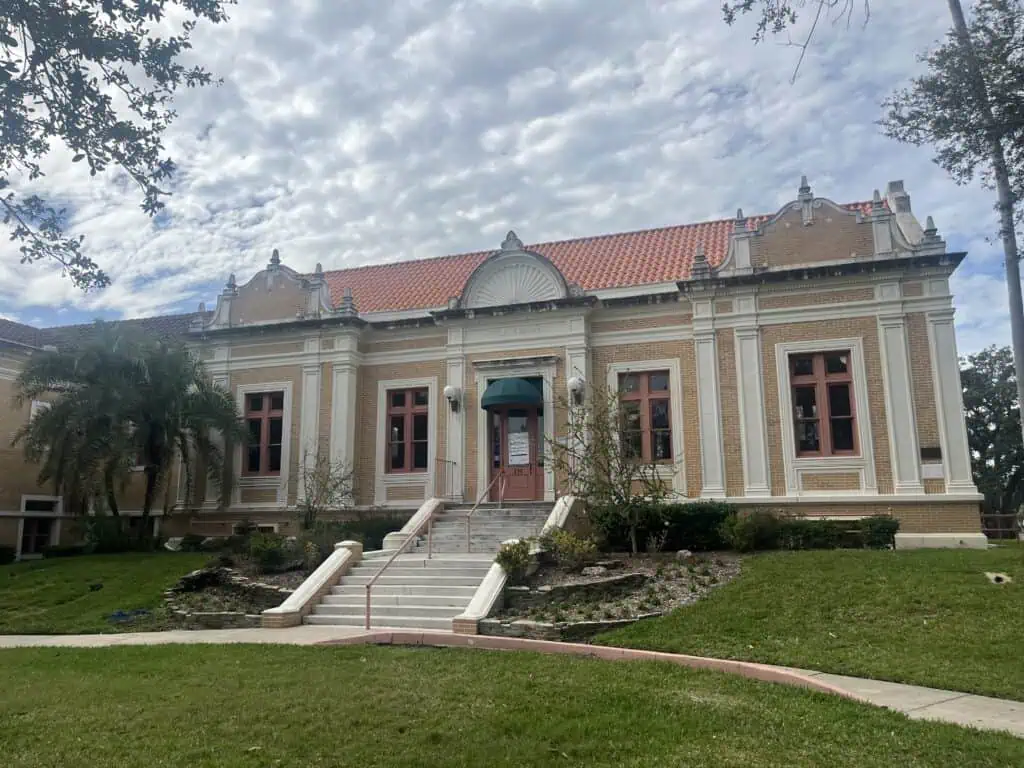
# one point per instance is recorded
(54, 597)
(234, 706)
(924, 617)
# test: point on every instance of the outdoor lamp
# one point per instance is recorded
(451, 394)
(576, 388)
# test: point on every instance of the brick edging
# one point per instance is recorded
(763, 672)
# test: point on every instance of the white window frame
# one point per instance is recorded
(36, 406)
(56, 513)
(258, 527)
(277, 482)
(676, 471)
(797, 466)
(384, 480)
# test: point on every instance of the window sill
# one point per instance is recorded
(804, 461)
(406, 478)
(259, 481)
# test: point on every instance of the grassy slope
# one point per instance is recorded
(53, 596)
(263, 706)
(926, 617)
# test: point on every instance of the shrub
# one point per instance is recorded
(696, 526)
(192, 542)
(568, 549)
(269, 552)
(106, 535)
(879, 531)
(751, 531)
(66, 550)
(514, 558)
(7, 555)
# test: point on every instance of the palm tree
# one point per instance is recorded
(119, 401)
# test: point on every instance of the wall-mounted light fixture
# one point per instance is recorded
(452, 395)
(577, 386)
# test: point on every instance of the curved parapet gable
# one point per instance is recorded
(513, 275)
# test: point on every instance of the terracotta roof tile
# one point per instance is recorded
(603, 261)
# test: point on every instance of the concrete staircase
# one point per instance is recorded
(427, 593)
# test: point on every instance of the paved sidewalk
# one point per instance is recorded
(914, 701)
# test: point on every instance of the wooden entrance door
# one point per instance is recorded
(517, 450)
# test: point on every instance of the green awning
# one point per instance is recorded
(510, 392)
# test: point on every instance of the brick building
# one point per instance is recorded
(803, 361)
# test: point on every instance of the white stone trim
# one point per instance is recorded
(941, 541)
(382, 480)
(280, 482)
(956, 458)
(852, 497)
(455, 445)
(56, 513)
(675, 392)
(901, 424)
(527, 368)
(794, 465)
(712, 452)
(628, 291)
(753, 424)
(344, 414)
(309, 422)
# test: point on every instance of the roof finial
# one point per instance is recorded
(511, 242)
(319, 271)
(275, 258)
(348, 304)
(202, 307)
(929, 227)
(805, 188)
(231, 282)
(740, 222)
(739, 214)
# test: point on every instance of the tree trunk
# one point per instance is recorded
(147, 499)
(1005, 197)
(108, 490)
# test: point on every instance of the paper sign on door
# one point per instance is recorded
(518, 448)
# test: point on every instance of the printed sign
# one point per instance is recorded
(518, 448)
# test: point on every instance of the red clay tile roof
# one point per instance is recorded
(604, 261)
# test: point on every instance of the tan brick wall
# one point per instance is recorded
(913, 289)
(275, 348)
(621, 322)
(723, 307)
(17, 476)
(260, 300)
(382, 345)
(9, 532)
(326, 409)
(684, 352)
(833, 235)
(863, 327)
(810, 298)
(406, 492)
(366, 426)
(830, 481)
(257, 495)
(914, 518)
(730, 409)
(933, 485)
(921, 380)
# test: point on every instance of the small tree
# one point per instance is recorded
(325, 485)
(602, 468)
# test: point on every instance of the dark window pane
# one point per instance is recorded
(839, 400)
(807, 437)
(806, 403)
(255, 402)
(40, 505)
(661, 445)
(398, 456)
(275, 431)
(838, 362)
(397, 429)
(419, 426)
(659, 414)
(629, 382)
(802, 365)
(419, 455)
(252, 463)
(630, 412)
(419, 397)
(274, 458)
(632, 444)
(277, 401)
(255, 430)
(842, 434)
(658, 382)
(398, 399)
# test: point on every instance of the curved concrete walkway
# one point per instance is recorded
(914, 701)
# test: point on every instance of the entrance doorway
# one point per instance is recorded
(517, 450)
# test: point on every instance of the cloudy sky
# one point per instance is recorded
(377, 130)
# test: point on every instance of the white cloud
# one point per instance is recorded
(351, 133)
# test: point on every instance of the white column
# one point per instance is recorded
(455, 445)
(211, 497)
(343, 413)
(309, 422)
(956, 457)
(711, 453)
(899, 405)
(753, 438)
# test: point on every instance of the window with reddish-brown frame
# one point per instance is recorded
(408, 433)
(264, 422)
(824, 412)
(645, 415)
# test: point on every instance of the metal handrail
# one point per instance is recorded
(429, 523)
(484, 495)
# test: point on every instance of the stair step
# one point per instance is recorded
(434, 581)
(415, 599)
(396, 622)
(468, 574)
(406, 589)
(379, 610)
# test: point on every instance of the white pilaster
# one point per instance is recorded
(956, 457)
(455, 445)
(309, 419)
(222, 380)
(753, 438)
(710, 417)
(899, 405)
(343, 413)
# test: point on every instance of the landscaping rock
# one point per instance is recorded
(595, 570)
(174, 543)
(684, 556)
